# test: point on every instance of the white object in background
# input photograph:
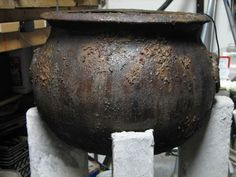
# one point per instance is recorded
(228, 85)
(206, 154)
(224, 66)
(49, 156)
(178, 5)
(133, 154)
(230, 52)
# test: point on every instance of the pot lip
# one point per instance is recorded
(125, 16)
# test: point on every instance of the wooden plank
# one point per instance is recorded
(88, 2)
(22, 14)
(11, 4)
(15, 26)
(38, 24)
(7, 4)
(44, 3)
(17, 40)
(7, 15)
(9, 27)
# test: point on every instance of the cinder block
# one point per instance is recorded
(133, 154)
(49, 156)
(206, 154)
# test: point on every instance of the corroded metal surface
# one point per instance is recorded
(126, 16)
(91, 80)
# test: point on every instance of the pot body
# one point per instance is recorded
(90, 80)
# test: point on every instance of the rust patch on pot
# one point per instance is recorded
(43, 66)
(134, 74)
(186, 61)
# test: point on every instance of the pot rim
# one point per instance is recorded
(131, 16)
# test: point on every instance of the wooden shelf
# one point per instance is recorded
(7, 4)
(11, 4)
(17, 40)
(11, 38)
(15, 26)
(9, 27)
(44, 3)
(13, 13)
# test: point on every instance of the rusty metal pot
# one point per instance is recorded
(110, 71)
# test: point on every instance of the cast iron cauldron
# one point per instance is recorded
(110, 71)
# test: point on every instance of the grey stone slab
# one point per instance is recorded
(49, 156)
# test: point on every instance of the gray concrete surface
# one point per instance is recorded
(164, 165)
(105, 174)
(203, 155)
(49, 156)
(206, 154)
(133, 154)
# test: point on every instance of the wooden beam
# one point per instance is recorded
(11, 4)
(9, 15)
(9, 27)
(17, 40)
(38, 24)
(7, 4)
(88, 2)
(44, 3)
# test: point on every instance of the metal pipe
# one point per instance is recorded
(231, 19)
(208, 29)
(200, 6)
(165, 4)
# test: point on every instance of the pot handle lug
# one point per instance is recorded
(215, 69)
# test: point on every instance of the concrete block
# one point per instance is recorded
(206, 154)
(133, 154)
(164, 166)
(49, 156)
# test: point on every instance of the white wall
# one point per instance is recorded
(181, 5)
(223, 27)
(224, 32)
